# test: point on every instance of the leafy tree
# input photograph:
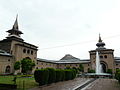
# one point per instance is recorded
(27, 65)
(17, 65)
(67, 67)
(81, 68)
(76, 69)
(91, 71)
(109, 71)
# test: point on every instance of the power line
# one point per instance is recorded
(73, 44)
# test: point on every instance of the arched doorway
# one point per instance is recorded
(28, 58)
(104, 67)
(7, 70)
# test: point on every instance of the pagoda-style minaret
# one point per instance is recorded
(15, 32)
(100, 44)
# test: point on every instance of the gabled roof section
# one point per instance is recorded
(68, 57)
(45, 60)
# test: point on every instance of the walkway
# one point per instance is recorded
(66, 85)
(99, 84)
(103, 84)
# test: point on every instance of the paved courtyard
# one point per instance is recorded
(66, 85)
(99, 84)
(103, 84)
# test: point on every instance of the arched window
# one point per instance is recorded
(7, 70)
(105, 56)
(9, 60)
(27, 58)
(101, 57)
(28, 51)
(24, 50)
(32, 52)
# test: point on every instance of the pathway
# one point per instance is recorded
(66, 85)
(103, 84)
(99, 84)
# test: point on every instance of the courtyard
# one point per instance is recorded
(24, 83)
(99, 84)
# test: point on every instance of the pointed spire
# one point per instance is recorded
(15, 32)
(100, 44)
(100, 40)
(15, 26)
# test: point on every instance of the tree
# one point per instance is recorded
(81, 68)
(109, 71)
(17, 65)
(91, 71)
(27, 65)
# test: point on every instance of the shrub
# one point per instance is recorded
(91, 71)
(41, 76)
(26, 75)
(17, 65)
(59, 75)
(109, 71)
(73, 73)
(63, 75)
(117, 75)
(52, 75)
(118, 70)
(76, 69)
(68, 74)
(67, 67)
(81, 68)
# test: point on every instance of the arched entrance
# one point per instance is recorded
(27, 58)
(7, 70)
(103, 66)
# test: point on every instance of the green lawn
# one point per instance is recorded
(22, 82)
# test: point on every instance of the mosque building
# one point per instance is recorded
(13, 48)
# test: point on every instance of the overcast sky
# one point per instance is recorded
(60, 27)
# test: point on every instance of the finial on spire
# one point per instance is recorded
(15, 30)
(100, 44)
(100, 40)
(15, 26)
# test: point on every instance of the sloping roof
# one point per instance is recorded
(73, 61)
(67, 59)
(117, 59)
(45, 60)
(4, 53)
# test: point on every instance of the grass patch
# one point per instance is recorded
(22, 82)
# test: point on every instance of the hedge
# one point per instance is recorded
(41, 76)
(73, 73)
(59, 75)
(70, 74)
(63, 75)
(52, 75)
(117, 75)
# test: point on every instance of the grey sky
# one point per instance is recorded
(51, 23)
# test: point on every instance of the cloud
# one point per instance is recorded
(49, 23)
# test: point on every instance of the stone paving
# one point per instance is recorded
(103, 84)
(66, 85)
(99, 84)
